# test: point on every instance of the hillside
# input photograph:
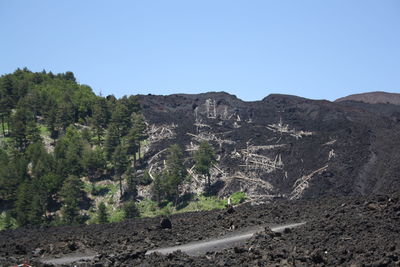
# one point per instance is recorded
(64, 151)
(72, 161)
(71, 157)
(281, 146)
(373, 98)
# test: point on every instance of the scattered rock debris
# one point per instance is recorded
(345, 231)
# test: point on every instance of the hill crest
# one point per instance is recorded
(377, 97)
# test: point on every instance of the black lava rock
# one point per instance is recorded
(165, 223)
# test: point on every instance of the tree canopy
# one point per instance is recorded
(204, 158)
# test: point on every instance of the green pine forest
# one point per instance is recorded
(69, 156)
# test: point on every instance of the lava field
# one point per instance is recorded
(346, 231)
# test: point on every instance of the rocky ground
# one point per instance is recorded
(351, 231)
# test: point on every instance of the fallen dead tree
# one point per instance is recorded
(330, 142)
(161, 132)
(156, 156)
(302, 183)
(200, 125)
(284, 128)
(192, 147)
(253, 149)
(252, 185)
(260, 162)
(206, 136)
(258, 181)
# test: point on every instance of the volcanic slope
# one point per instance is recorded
(282, 146)
(373, 98)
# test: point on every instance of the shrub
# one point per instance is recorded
(238, 197)
(130, 210)
(102, 215)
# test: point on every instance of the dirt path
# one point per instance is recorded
(192, 249)
(70, 258)
(199, 248)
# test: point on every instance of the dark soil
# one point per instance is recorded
(347, 231)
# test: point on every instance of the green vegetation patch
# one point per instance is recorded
(117, 215)
(44, 131)
(113, 215)
(148, 208)
(7, 222)
(202, 203)
(5, 129)
(5, 140)
(238, 197)
(100, 189)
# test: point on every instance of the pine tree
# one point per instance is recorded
(4, 112)
(41, 161)
(132, 181)
(38, 206)
(23, 203)
(74, 158)
(32, 99)
(65, 114)
(159, 188)
(50, 112)
(175, 172)
(120, 161)
(60, 153)
(32, 132)
(139, 127)
(4, 175)
(68, 153)
(7, 90)
(6, 100)
(52, 183)
(44, 187)
(102, 215)
(86, 136)
(100, 117)
(2, 117)
(7, 223)
(132, 144)
(24, 129)
(131, 103)
(69, 76)
(71, 195)
(112, 140)
(111, 102)
(166, 185)
(121, 119)
(131, 210)
(94, 162)
(204, 158)
(13, 172)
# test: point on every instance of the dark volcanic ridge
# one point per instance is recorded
(282, 146)
(373, 98)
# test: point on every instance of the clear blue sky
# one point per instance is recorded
(316, 49)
